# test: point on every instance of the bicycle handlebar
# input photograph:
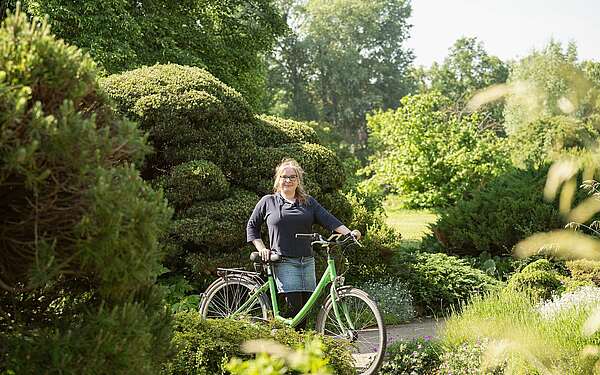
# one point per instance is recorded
(316, 238)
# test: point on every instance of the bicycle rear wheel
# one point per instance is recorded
(225, 296)
(362, 327)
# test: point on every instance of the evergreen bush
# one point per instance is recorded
(438, 282)
(538, 279)
(497, 216)
(79, 249)
(195, 181)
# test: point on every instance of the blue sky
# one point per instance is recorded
(508, 29)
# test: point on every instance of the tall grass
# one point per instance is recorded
(521, 338)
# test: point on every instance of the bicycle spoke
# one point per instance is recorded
(359, 327)
(228, 297)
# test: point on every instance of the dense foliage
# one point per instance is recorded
(205, 346)
(504, 211)
(547, 139)
(202, 130)
(227, 37)
(79, 227)
(340, 60)
(467, 69)
(438, 282)
(429, 155)
(584, 270)
(549, 82)
(537, 279)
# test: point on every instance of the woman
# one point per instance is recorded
(290, 210)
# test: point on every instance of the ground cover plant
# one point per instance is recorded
(418, 356)
(206, 346)
(77, 265)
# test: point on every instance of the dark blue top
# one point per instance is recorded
(285, 219)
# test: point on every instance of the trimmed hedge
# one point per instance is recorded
(271, 131)
(188, 113)
(217, 225)
(205, 346)
(195, 181)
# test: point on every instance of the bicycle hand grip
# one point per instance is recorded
(310, 236)
(256, 258)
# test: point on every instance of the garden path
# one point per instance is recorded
(418, 328)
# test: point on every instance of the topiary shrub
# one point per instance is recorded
(214, 158)
(496, 217)
(79, 227)
(195, 181)
(537, 279)
(272, 131)
(188, 113)
(205, 346)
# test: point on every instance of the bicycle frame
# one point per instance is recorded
(328, 277)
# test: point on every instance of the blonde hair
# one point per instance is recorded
(301, 194)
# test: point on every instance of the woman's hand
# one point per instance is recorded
(356, 233)
(265, 254)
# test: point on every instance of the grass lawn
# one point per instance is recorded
(411, 223)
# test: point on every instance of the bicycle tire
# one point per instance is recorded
(368, 355)
(226, 295)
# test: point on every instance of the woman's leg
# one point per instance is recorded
(295, 301)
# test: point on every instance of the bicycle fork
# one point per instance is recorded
(340, 309)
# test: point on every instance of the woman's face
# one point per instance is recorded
(288, 180)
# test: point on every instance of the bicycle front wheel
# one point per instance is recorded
(359, 324)
(226, 296)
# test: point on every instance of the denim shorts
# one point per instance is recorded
(295, 274)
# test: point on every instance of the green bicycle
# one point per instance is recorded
(347, 314)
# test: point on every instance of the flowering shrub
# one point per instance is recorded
(466, 360)
(393, 299)
(583, 297)
(419, 356)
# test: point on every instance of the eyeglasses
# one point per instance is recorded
(289, 178)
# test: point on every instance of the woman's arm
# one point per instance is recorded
(342, 229)
(262, 249)
(253, 229)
